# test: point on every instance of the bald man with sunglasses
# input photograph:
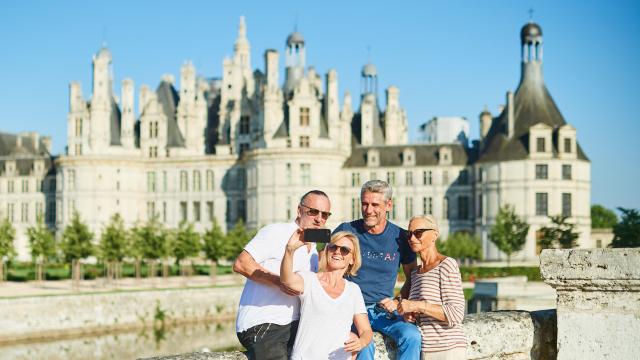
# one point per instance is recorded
(269, 311)
(384, 248)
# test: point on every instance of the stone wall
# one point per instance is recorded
(505, 335)
(47, 317)
(598, 301)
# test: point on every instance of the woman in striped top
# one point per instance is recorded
(436, 301)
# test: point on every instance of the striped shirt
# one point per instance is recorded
(441, 285)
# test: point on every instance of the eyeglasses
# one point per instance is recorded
(418, 232)
(344, 250)
(315, 212)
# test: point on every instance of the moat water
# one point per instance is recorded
(148, 342)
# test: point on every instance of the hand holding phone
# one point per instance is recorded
(316, 235)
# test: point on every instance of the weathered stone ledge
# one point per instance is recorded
(505, 335)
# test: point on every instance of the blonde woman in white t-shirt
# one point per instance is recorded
(329, 304)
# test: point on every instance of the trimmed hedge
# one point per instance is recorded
(21, 272)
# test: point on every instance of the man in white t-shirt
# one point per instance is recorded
(268, 314)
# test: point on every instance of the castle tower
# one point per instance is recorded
(369, 80)
(128, 116)
(101, 101)
(294, 61)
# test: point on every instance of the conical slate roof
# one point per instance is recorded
(533, 105)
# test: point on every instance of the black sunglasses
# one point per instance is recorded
(418, 232)
(315, 212)
(344, 250)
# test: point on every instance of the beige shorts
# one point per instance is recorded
(453, 354)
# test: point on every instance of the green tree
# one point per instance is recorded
(461, 245)
(114, 245)
(237, 238)
(214, 247)
(509, 233)
(627, 232)
(7, 248)
(43, 246)
(602, 218)
(561, 234)
(185, 244)
(76, 245)
(150, 243)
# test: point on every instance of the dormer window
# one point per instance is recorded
(304, 116)
(244, 125)
(540, 144)
(567, 145)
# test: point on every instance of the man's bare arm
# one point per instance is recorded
(247, 266)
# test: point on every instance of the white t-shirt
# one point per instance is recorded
(325, 322)
(260, 303)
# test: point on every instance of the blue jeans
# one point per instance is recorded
(406, 335)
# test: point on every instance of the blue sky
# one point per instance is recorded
(447, 58)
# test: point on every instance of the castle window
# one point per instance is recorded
(164, 181)
(566, 172)
(391, 179)
(427, 205)
(71, 180)
(24, 213)
(566, 204)
(164, 211)
(445, 177)
(25, 185)
(393, 210)
(445, 208)
(304, 116)
(427, 177)
(10, 212)
(39, 211)
(540, 144)
(567, 145)
(153, 151)
(210, 213)
(355, 179)
(542, 204)
(305, 174)
(408, 178)
(288, 212)
(244, 125)
(355, 208)
(463, 207)
(542, 171)
(210, 180)
(183, 211)
(197, 185)
(408, 207)
(288, 175)
(304, 141)
(151, 181)
(196, 211)
(78, 126)
(184, 181)
(288, 143)
(151, 210)
(480, 209)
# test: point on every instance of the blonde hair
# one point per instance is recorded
(352, 270)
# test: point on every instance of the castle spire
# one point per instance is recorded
(241, 47)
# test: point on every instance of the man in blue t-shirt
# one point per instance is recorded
(384, 247)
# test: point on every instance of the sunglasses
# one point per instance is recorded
(344, 250)
(418, 232)
(315, 212)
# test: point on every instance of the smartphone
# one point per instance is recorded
(317, 235)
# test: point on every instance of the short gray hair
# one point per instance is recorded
(377, 186)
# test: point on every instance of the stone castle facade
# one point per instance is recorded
(247, 145)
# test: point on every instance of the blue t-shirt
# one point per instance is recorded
(382, 255)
